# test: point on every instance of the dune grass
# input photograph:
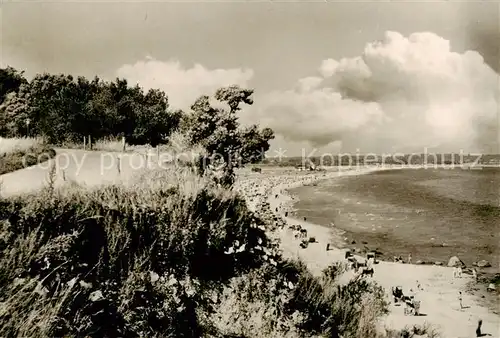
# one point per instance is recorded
(125, 261)
(111, 144)
(176, 143)
(425, 330)
(176, 149)
(171, 255)
(9, 145)
(18, 153)
(286, 300)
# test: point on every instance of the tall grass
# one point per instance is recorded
(18, 153)
(136, 261)
(111, 144)
(171, 255)
(286, 300)
(22, 144)
(413, 331)
(176, 145)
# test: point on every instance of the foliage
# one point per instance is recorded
(171, 255)
(255, 143)
(19, 153)
(285, 300)
(63, 109)
(10, 81)
(146, 260)
(9, 145)
(228, 146)
(425, 330)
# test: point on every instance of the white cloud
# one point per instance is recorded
(309, 83)
(328, 67)
(182, 85)
(401, 93)
(318, 115)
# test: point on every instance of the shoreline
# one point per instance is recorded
(357, 241)
(439, 296)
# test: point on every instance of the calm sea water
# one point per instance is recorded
(432, 213)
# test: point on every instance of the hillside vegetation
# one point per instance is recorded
(18, 153)
(179, 258)
(177, 253)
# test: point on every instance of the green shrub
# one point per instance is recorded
(138, 261)
(19, 159)
(425, 330)
(286, 300)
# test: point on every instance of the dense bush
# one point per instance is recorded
(62, 108)
(118, 261)
(169, 256)
(228, 146)
(16, 159)
(10, 81)
(285, 300)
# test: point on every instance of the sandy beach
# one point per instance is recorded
(439, 293)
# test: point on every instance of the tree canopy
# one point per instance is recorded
(227, 143)
(62, 108)
(10, 81)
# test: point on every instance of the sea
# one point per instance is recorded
(431, 213)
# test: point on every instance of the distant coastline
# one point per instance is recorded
(360, 236)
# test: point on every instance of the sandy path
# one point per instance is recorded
(439, 297)
(83, 167)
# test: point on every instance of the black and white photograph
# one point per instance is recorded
(250, 169)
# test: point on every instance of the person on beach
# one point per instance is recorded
(478, 330)
(409, 258)
(460, 300)
(454, 272)
(369, 264)
(459, 272)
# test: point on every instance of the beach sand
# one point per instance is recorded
(440, 295)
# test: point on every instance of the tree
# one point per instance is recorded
(55, 103)
(227, 145)
(10, 81)
(154, 123)
(66, 109)
(255, 143)
(233, 96)
(14, 112)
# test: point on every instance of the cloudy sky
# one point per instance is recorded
(333, 76)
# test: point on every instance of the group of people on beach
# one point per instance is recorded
(399, 259)
(259, 190)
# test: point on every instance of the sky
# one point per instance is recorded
(328, 76)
